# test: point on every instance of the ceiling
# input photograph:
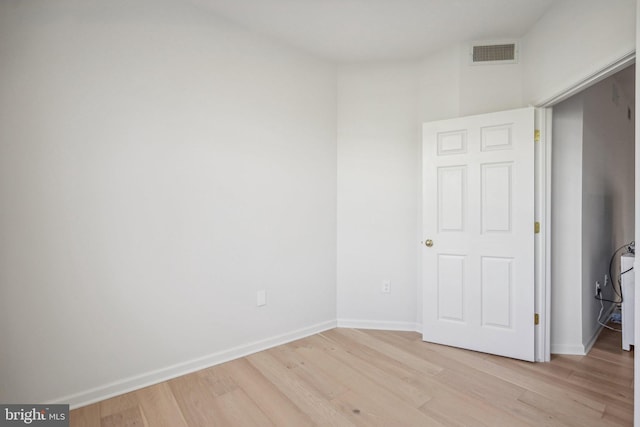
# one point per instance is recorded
(370, 30)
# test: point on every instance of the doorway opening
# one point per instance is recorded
(592, 207)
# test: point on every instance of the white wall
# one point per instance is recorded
(451, 87)
(381, 108)
(157, 168)
(439, 78)
(573, 40)
(566, 220)
(378, 162)
(486, 88)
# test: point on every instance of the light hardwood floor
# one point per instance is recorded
(348, 377)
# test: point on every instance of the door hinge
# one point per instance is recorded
(536, 227)
(536, 319)
(536, 135)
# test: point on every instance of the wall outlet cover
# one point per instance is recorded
(261, 298)
(386, 286)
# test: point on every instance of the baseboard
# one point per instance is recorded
(379, 324)
(582, 349)
(106, 391)
(574, 349)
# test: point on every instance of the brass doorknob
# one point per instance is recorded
(429, 243)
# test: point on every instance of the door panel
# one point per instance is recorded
(496, 197)
(496, 288)
(451, 287)
(452, 196)
(478, 208)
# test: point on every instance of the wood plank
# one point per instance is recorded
(403, 387)
(238, 409)
(118, 404)
(346, 377)
(364, 387)
(218, 380)
(87, 416)
(370, 410)
(277, 407)
(131, 417)
(569, 416)
(197, 400)
(619, 414)
(308, 373)
(516, 373)
(511, 371)
(446, 406)
(392, 351)
(159, 406)
(306, 398)
(499, 394)
(377, 358)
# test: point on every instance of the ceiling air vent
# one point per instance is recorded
(494, 53)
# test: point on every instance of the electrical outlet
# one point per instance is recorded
(261, 298)
(386, 286)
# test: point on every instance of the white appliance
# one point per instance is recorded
(628, 297)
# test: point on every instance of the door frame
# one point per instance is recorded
(543, 262)
(544, 118)
(543, 122)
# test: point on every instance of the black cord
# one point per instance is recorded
(613, 256)
(626, 271)
(619, 294)
(606, 300)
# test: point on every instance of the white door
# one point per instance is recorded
(478, 225)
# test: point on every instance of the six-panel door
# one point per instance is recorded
(478, 210)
